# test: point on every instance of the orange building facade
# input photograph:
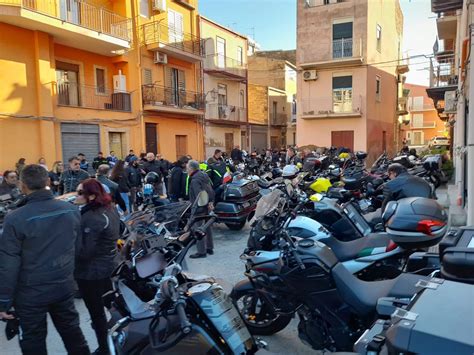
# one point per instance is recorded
(82, 77)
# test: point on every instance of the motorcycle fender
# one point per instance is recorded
(242, 285)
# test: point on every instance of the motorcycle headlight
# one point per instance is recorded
(266, 224)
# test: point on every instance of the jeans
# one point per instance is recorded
(126, 199)
(65, 318)
(92, 291)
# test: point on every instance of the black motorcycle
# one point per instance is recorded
(156, 307)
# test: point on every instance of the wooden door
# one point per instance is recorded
(274, 142)
(229, 142)
(343, 139)
(181, 146)
(151, 138)
(116, 144)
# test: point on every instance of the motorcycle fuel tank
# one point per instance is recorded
(304, 227)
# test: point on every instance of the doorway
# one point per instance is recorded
(67, 79)
(69, 11)
(181, 146)
(151, 138)
(418, 137)
(117, 144)
(343, 139)
(229, 142)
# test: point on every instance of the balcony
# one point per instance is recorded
(446, 24)
(331, 107)
(186, 3)
(402, 106)
(278, 118)
(92, 97)
(226, 113)
(225, 67)
(172, 100)
(344, 51)
(71, 22)
(438, 6)
(159, 37)
(424, 124)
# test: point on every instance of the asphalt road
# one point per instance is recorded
(224, 264)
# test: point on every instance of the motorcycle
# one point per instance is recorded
(306, 278)
(170, 311)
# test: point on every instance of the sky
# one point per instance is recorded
(273, 24)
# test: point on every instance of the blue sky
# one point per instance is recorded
(273, 24)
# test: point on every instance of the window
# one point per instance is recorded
(144, 8)
(342, 93)
(220, 50)
(274, 112)
(224, 110)
(147, 77)
(417, 103)
(67, 78)
(176, 27)
(417, 120)
(99, 80)
(240, 56)
(379, 38)
(242, 99)
(377, 88)
(342, 40)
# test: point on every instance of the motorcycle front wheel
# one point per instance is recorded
(259, 316)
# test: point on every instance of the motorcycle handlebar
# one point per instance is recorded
(185, 324)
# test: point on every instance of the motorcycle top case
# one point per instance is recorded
(241, 189)
(437, 321)
(432, 163)
(404, 160)
(415, 222)
(457, 255)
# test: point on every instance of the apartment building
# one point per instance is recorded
(451, 78)
(349, 78)
(421, 122)
(83, 76)
(225, 87)
(272, 99)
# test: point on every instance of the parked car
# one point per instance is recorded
(438, 141)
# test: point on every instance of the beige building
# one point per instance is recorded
(225, 87)
(272, 99)
(347, 78)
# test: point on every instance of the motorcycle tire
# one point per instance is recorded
(236, 227)
(255, 324)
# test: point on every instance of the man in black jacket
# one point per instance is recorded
(403, 185)
(134, 176)
(37, 265)
(153, 165)
(71, 178)
(102, 173)
(237, 155)
(200, 181)
(177, 182)
(98, 161)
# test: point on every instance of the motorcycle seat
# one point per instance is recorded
(357, 248)
(362, 296)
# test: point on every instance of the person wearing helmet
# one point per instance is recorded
(153, 165)
(290, 172)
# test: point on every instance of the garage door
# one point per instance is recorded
(258, 141)
(343, 139)
(80, 138)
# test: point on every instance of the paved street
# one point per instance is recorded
(224, 264)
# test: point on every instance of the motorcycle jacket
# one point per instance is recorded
(405, 185)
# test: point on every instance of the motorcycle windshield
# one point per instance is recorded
(267, 204)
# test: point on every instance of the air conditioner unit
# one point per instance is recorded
(159, 5)
(450, 102)
(310, 75)
(120, 82)
(160, 58)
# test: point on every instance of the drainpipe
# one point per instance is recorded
(268, 119)
(470, 141)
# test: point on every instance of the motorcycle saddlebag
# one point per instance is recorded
(432, 163)
(240, 189)
(457, 255)
(435, 322)
(415, 222)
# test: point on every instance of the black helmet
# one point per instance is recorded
(361, 155)
(152, 178)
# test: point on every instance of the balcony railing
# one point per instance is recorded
(424, 124)
(155, 32)
(278, 118)
(443, 71)
(331, 106)
(226, 113)
(221, 63)
(342, 48)
(81, 13)
(157, 95)
(84, 96)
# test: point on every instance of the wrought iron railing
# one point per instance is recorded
(226, 113)
(157, 95)
(94, 97)
(278, 118)
(156, 32)
(342, 48)
(222, 63)
(81, 13)
(331, 105)
(315, 3)
(443, 71)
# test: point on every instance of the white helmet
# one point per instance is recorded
(290, 171)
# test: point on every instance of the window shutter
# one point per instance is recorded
(100, 80)
(147, 77)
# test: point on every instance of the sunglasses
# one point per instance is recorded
(80, 192)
